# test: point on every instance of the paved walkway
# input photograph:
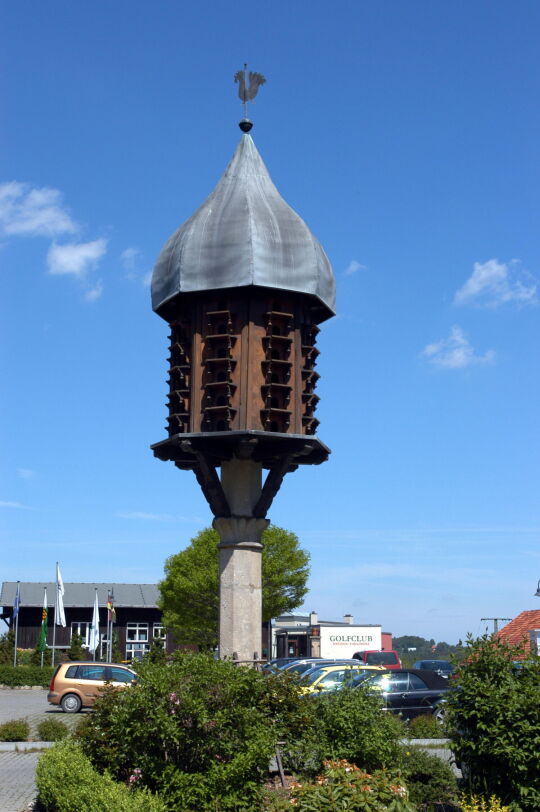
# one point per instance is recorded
(17, 785)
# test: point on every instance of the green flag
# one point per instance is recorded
(42, 642)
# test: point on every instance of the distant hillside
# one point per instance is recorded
(423, 649)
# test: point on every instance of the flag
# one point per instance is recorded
(93, 637)
(17, 602)
(60, 617)
(42, 642)
(111, 611)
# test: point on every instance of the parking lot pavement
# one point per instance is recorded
(32, 705)
(17, 770)
(17, 785)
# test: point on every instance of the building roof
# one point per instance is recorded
(244, 234)
(519, 628)
(76, 595)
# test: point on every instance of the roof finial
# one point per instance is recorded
(247, 93)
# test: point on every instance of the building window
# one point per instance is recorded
(82, 629)
(137, 632)
(160, 632)
(136, 641)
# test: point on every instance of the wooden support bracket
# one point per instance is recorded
(271, 486)
(211, 486)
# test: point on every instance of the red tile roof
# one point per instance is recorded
(519, 628)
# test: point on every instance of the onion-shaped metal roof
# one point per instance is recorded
(244, 234)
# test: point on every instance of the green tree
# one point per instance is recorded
(116, 655)
(35, 656)
(493, 720)
(7, 642)
(156, 653)
(76, 651)
(190, 589)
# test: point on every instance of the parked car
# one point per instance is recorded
(326, 678)
(77, 685)
(410, 692)
(302, 666)
(389, 659)
(441, 667)
(278, 663)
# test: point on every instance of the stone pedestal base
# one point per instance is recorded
(240, 598)
(240, 589)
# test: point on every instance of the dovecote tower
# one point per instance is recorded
(244, 285)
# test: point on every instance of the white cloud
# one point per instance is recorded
(494, 283)
(147, 279)
(155, 517)
(32, 212)
(93, 294)
(353, 267)
(16, 505)
(128, 257)
(455, 352)
(140, 515)
(75, 258)
(25, 473)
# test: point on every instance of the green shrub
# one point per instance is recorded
(156, 653)
(66, 782)
(493, 720)
(351, 725)
(424, 727)
(429, 779)
(25, 675)
(345, 787)
(15, 731)
(7, 645)
(76, 651)
(200, 732)
(52, 730)
(35, 657)
(472, 803)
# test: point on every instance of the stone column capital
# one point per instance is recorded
(240, 531)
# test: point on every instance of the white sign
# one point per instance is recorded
(341, 642)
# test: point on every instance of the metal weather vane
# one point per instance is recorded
(247, 93)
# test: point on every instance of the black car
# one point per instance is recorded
(410, 692)
(441, 667)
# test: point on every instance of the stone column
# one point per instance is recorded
(240, 548)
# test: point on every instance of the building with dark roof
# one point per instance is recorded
(138, 618)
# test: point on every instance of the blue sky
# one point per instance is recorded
(406, 135)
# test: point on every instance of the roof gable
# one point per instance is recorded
(519, 628)
(81, 594)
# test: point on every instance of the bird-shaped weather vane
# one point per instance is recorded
(247, 93)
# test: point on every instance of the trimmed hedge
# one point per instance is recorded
(14, 677)
(52, 730)
(67, 781)
(17, 730)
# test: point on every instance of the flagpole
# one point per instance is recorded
(94, 639)
(16, 636)
(113, 615)
(18, 601)
(110, 602)
(109, 624)
(54, 617)
(42, 642)
(96, 633)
